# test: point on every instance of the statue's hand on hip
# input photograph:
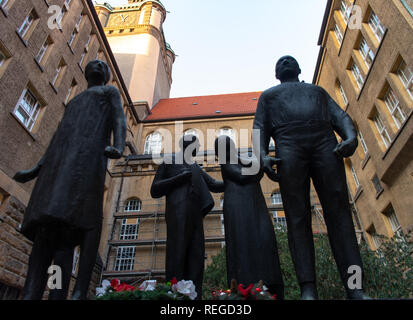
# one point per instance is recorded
(268, 163)
(346, 148)
(24, 176)
(112, 152)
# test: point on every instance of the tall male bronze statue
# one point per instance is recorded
(186, 187)
(65, 208)
(302, 119)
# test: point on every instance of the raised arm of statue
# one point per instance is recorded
(215, 186)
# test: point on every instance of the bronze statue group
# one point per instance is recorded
(65, 208)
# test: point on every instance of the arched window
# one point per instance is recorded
(227, 132)
(276, 198)
(153, 143)
(133, 205)
(191, 131)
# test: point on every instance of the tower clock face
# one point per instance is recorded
(124, 19)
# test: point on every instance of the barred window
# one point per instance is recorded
(129, 229)
(133, 205)
(406, 76)
(125, 258)
(276, 198)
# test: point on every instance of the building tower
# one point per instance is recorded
(137, 40)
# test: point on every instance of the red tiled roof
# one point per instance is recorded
(205, 106)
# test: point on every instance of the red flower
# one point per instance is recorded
(245, 292)
(274, 297)
(174, 281)
(124, 287)
(114, 283)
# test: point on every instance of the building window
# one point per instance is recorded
(376, 26)
(338, 34)
(82, 58)
(88, 42)
(79, 21)
(72, 38)
(129, 229)
(363, 142)
(27, 109)
(76, 254)
(280, 222)
(355, 178)
(227, 132)
(393, 221)
(345, 9)
(343, 94)
(2, 58)
(153, 143)
(377, 184)
(70, 91)
(191, 132)
(395, 108)
(366, 52)
(276, 198)
(374, 237)
(42, 52)
(133, 205)
(125, 258)
(3, 3)
(381, 128)
(27, 23)
(59, 73)
(357, 75)
(406, 76)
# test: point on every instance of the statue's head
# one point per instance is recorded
(190, 140)
(222, 143)
(97, 71)
(287, 68)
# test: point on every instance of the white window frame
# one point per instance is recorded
(357, 75)
(43, 50)
(366, 52)
(82, 58)
(345, 10)
(69, 91)
(276, 198)
(72, 37)
(406, 76)
(279, 222)
(76, 255)
(125, 258)
(376, 26)
(393, 105)
(338, 34)
(89, 39)
(58, 72)
(343, 94)
(79, 21)
(153, 143)
(363, 142)
(3, 3)
(355, 178)
(31, 111)
(133, 205)
(227, 132)
(129, 231)
(27, 23)
(381, 128)
(2, 58)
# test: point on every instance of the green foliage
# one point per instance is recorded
(388, 271)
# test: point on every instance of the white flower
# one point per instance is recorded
(264, 288)
(102, 290)
(186, 288)
(148, 285)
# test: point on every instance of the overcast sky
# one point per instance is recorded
(231, 46)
